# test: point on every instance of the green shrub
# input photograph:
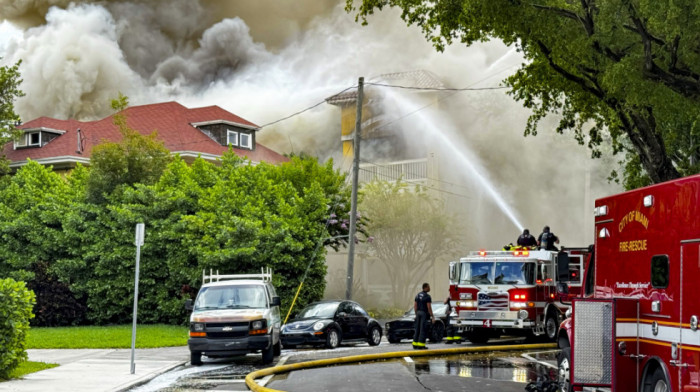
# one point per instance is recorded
(16, 303)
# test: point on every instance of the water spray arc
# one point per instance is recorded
(462, 153)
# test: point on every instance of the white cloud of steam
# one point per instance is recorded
(72, 66)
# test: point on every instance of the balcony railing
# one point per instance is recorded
(411, 171)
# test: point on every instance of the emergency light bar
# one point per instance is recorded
(521, 252)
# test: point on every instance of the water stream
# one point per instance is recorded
(443, 130)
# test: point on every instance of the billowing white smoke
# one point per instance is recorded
(73, 65)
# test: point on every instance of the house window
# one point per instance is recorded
(34, 139)
(246, 140)
(232, 138)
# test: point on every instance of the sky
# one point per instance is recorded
(265, 60)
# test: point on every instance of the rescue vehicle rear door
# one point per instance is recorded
(688, 349)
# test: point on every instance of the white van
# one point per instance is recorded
(235, 315)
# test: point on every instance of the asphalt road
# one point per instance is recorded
(484, 372)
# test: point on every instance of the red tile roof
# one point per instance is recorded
(172, 121)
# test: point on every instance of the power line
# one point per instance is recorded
(389, 86)
(437, 88)
(305, 110)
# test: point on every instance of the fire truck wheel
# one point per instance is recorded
(564, 372)
(657, 382)
(478, 337)
(551, 327)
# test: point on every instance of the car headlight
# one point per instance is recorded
(318, 326)
(257, 324)
(198, 327)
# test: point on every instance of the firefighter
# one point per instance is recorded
(451, 337)
(423, 308)
(527, 239)
(547, 239)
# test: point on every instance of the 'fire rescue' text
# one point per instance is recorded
(633, 246)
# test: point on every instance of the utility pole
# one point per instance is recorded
(355, 177)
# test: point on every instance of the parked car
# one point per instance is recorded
(403, 328)
(328, 323)
(235, 315)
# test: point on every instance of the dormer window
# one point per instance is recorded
(37, 137)
(239, 139)
(228, 133)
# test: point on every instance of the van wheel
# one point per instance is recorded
(196, 358)
(278, 348)
(564, 369)
(268, 354)
(551, 327)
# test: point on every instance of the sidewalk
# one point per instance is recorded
(97, 370)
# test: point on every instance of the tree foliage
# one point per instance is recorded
(9, 91)
(410, 231)
(619, 72)
(135, 159)
(15, 311)
(234, 218)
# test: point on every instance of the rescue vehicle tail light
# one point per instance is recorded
(482, 253)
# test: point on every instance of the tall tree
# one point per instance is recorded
(628, 67)
(9, 91)
(410, 231)
(136, 159)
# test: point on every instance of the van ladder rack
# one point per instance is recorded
(265, 276)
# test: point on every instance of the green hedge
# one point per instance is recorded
(16, 303)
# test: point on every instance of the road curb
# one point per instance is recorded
(250, 377)
(148, 378)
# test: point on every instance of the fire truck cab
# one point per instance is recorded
(510, 292)
(635, 328)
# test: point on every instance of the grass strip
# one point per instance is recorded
(112, 336)
(28, 367)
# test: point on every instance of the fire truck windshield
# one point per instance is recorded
(497, 272)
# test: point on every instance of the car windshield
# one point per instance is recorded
(231, 297)
(499, 272)
(320, 310)
(437, 309)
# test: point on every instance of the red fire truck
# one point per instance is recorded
(635, 327)
(511, 292)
